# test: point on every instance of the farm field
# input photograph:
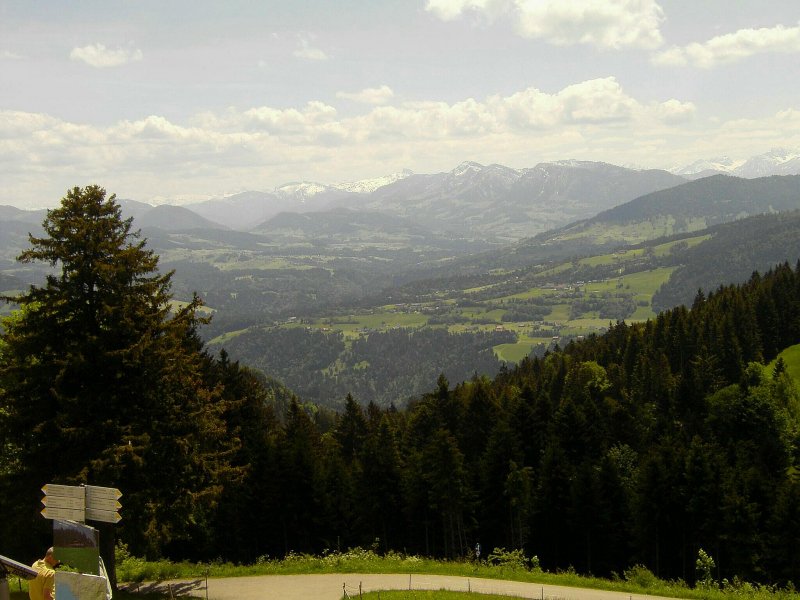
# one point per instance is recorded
(566, 311)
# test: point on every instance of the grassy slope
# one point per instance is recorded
(790, 356)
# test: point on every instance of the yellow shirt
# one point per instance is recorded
(45, 580)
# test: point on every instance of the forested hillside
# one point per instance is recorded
(641, 445)
(384, 367)
(731, 254)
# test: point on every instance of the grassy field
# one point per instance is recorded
(488, 314)
(791, 357)
(634, 233)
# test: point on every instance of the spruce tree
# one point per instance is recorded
(101, 378)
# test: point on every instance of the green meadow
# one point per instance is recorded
(487, 315)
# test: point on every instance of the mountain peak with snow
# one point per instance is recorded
(778, 161)
(367, 186)
(304, 189)
(466, 167)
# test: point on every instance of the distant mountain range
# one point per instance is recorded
(689, 207)
(503, 204)
(778, 161)
(472, 201)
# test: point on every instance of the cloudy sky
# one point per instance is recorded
(189, 99)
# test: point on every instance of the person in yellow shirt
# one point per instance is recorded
(43, 587)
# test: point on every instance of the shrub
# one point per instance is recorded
(512, 559)
(641, 576)
(704, 566)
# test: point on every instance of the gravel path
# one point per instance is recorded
(331, 587)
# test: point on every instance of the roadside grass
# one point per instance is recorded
(636, 580)
(432, 595)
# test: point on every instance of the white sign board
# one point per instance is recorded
(69, 491)
(106, 516)
(97, 492)
(65, 514)
(78, 503)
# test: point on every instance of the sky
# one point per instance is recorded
(186, 100)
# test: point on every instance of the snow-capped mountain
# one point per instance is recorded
(505, 203)
(472, 200)
(367, 186)
(302, 191)
(778, 161)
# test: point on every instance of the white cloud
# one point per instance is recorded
(375, 96)
(675, 111)
(8, 55)
(732, 47)
(602, 23)
(97, 55)
(596, 101)
(262, 146)
(449, 10)
(308, 52)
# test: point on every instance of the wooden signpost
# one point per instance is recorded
(81, 503)
(78, 544)
(66, 502)
(102, 504)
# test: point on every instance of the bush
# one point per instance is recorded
(704, 567)
(641, 576)
(512, 559)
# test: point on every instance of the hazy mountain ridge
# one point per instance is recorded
(504, 204)
(731, 254)
(340, 222)
(715, 199)
(473, 201)
(175, 219)
(778, 161)
(692, 206)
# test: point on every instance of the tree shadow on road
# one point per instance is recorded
(186, 590)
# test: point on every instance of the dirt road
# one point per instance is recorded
(332, 587)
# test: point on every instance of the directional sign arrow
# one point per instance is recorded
(94, 491)
(63, 502)
(106, 516)
(69, 491)
(102, 503)
(67, 514)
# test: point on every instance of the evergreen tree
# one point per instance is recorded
(102, 382)
(380, 486)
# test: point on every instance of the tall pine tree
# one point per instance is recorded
(101, 379)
